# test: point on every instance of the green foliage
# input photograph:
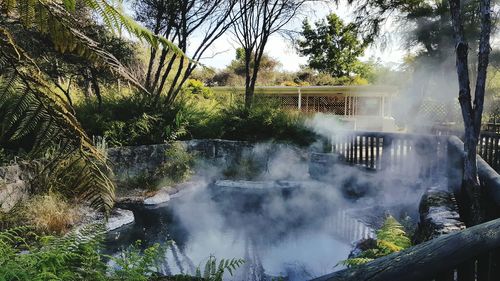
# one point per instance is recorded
(265, 121)
(246, 167)
(215, 272)
(25, 256)
(197, 114)
(137, 265)
(197, 88)
(332, 47)
(391, 238)
(125, 121)
(177, 167)
(73, 257)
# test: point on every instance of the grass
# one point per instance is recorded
(50, 213)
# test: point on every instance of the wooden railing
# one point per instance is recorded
(399, 153)
(488, 148)
(491, 127)
(488, 144)
(469, 255)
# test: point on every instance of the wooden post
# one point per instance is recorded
(345, 105)
(383, 106)
(300, 99)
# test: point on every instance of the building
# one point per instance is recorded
(360, 107)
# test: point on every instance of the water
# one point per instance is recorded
(294, 233)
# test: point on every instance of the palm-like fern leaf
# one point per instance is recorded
(39, 110)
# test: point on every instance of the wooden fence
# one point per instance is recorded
(399, 153)
(469, 255)
(488, 148)
(488, 144)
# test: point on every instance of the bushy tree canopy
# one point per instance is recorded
(332, 46)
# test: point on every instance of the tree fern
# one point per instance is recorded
(55, 18)
(39, 110)
(391, 238)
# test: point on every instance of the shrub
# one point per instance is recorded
(134, 264)
(177, 167)
(265, 122)
(76, 256)
(50, 213)
(24, 256)
(197, 113)
(126, 121)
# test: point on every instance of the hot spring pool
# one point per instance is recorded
(297, 232)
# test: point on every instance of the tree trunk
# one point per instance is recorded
(96, 89)
(471, 113)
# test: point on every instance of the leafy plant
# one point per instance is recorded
(177, 167)
(391, 238)
(214, 271)
(137, 265)
(39, 112)
(25, 256)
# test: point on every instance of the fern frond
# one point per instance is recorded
(393, 235)
(40, 110)
(355, 261)
(392, 247)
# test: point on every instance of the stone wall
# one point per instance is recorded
(136, 161)
(14, 185)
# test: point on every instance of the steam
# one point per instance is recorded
(428, 96)
(298, 226)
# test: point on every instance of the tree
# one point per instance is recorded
(38, 110)
(468, 18)
(179, 20)
(332, 47)
(267, 66)
(254, 22)
(471, 111)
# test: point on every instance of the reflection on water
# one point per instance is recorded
(293, 233)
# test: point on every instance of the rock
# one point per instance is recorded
(361, 246)
(279, 184)
(14, 185)
(161, 196)
(119, 218)
(438, 215)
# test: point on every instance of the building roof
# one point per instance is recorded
(365, 90)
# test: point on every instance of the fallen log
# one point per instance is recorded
(427, 260)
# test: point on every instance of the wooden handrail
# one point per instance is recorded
(427, 260)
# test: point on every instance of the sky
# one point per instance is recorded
(282, 49)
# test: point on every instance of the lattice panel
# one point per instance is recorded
(289, 103)
(439, 112)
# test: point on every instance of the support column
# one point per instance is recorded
(383, 106)
(345, 105)
(300, 100)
